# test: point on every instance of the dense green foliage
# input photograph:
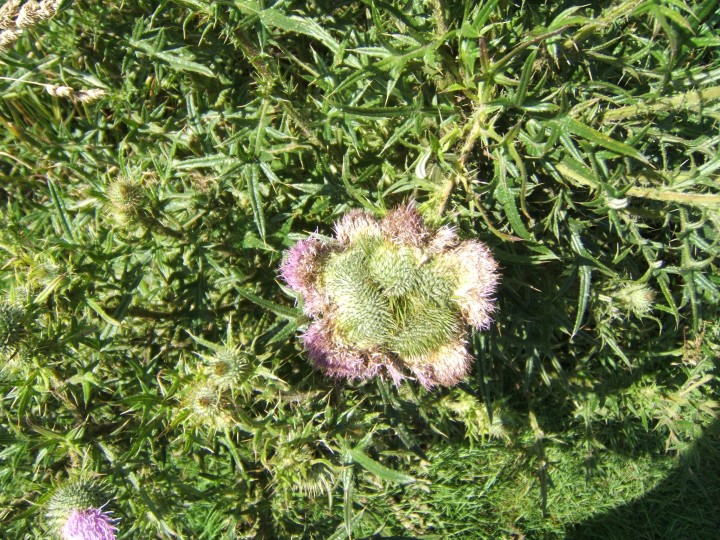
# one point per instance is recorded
(147, 338)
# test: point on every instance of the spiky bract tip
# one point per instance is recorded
(392, 297)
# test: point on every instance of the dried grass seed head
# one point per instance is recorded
(8, 13)
(30, 14)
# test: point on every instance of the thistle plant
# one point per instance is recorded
(392, 297)
(300, 467)
(75, 512)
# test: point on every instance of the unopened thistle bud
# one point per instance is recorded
(75, 512)
(127, 199)
(634, 297)
(203, 407)
(300, 468)
(228, 366)
(392, 297)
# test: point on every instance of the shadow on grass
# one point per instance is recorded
(686, 506)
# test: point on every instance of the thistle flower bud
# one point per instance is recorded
(356, 224)
(229, 365)
(299, 272)
(203, 406)
(75, 512)
(299, 467)
(392, 297)
(128, 199)
(634, 297)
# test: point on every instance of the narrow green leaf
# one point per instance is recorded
(60, 207)
(253, 191)
(585, 274)
(100, 311)
(345, 529)
(577, 173)
(216, 162)
(289, 313)
(378, 469)
(297, 25)
(177, 59)
(284, 333)
(506, 197)
(524, 82)
(49, 289)
(596, 137)
(481, 17)
(347, 477)
(675, 17)
(663, 282)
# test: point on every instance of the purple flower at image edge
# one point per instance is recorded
(90, 524)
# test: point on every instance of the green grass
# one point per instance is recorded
(142, 232)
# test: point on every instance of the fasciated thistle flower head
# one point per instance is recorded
(392, 297)
(75, 512)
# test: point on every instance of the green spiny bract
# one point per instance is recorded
(362, 313)
(301, 467)
(228, 367)
(391, 297)
(12, 329)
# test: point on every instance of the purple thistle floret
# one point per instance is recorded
(299, 270)
(90, 524)
(334, 360)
